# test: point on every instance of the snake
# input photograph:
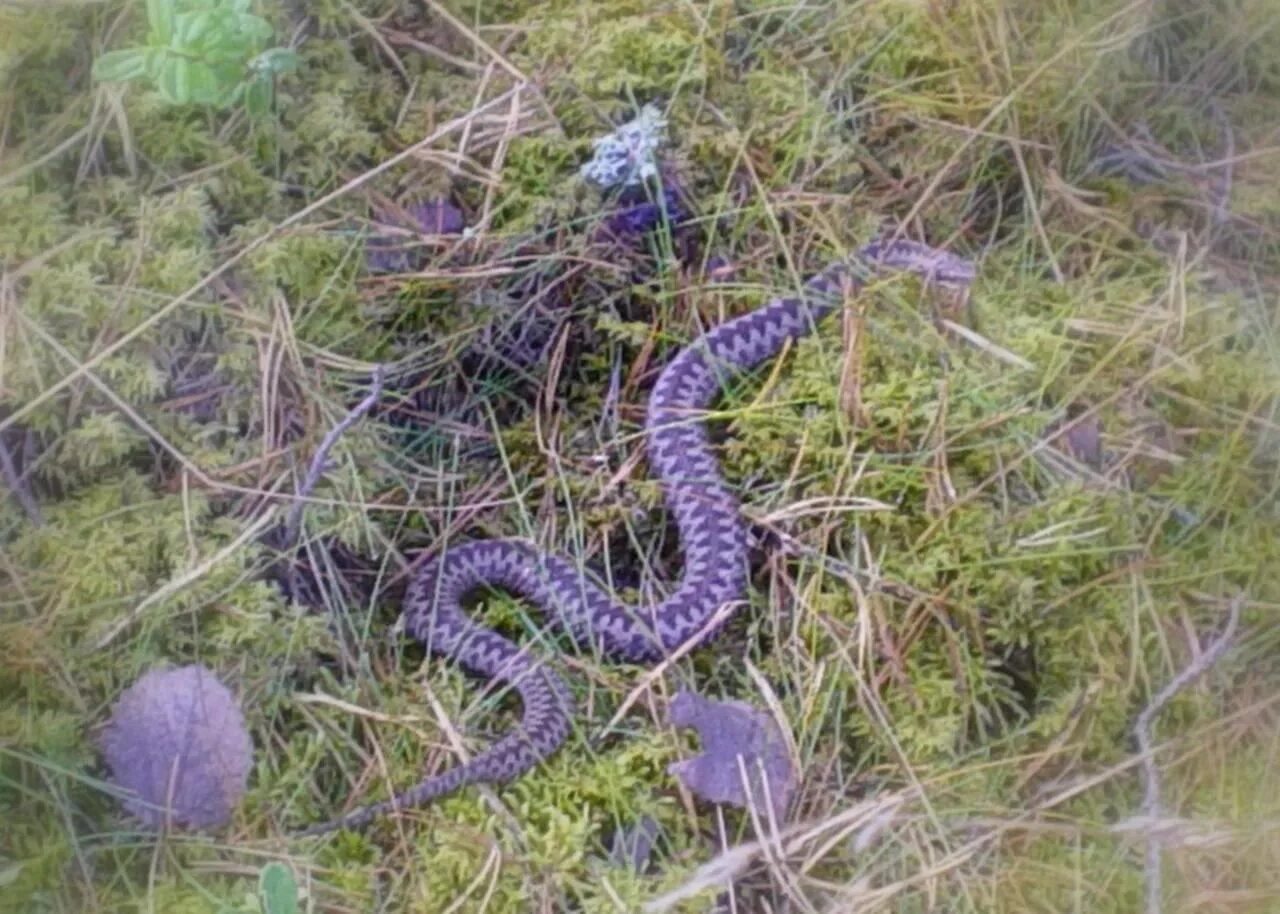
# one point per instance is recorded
(712, 531)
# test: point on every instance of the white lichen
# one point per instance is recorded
(628, 156)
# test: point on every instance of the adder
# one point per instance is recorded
(707, 514)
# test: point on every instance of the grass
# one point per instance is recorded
(994, 528)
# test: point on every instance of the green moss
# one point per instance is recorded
(635, 48)
(955, 606)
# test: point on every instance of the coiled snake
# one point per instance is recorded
(706, 512)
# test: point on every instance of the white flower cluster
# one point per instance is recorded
(627, 156)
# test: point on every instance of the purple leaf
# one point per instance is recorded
(437, 217)
(635, 214)
(1081, 439)
(176, 741)
(729, 731)
(1084, 441)
(392, 252)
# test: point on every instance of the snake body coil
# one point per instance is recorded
(706, 512)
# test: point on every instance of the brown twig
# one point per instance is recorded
(293, 522)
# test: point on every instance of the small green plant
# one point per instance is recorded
(277, 890)
(203, 52)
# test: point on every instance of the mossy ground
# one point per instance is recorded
(958, 618)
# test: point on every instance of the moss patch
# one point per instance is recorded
(960, 609)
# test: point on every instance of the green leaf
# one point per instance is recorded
(203, 85)
(191, 31)
(160, 18)
(120, 66)
(277, 890)
(254, 28)
(155, 60)
(231, 47)
(232, 91)
(174, 81)
(258, 95)
(275, 60)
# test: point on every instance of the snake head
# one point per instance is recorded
(933, 264)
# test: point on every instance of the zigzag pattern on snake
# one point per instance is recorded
(707, 515)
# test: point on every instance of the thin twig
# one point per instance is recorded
(1151, 808)
(294, 520)
(1222, 206)
(21, 173)
(17, 485)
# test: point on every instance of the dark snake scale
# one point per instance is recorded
(706, 512)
